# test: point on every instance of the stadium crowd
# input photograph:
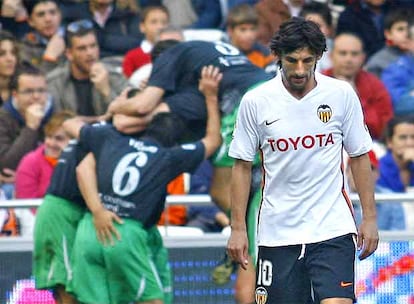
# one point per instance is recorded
(80, 58)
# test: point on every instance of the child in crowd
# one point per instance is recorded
(320, 13)
(396, 25)
(242, 23)
(154, 19)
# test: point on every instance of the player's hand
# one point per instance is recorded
(237, 247)
(99, 76)
(210, 79)
(367, 237)
(7, 176)
(103, 220)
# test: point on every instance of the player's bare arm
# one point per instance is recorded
(208, 85)
(141, 104)
(368, 230)
(237, 246)
(103, 219)
(133, 124)
(73, 126)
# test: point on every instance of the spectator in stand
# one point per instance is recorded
(347, 57)
(44, 45)
(242, 23)
(396, 167)
(9, 59)
(35, 169)
(194, 14)
(399, 79)
(396, 32)
(84, 85)
(320, 13)
(390, 216)
(366, 19)
(153, 20)
(117, 26)
(13, 17)
(22, 120)
(272, 13)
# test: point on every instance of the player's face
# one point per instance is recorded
(45, 18)
(32, 89)
(155, 21)
(243, 36)
(56, 142)
(347, 56)
(84, 52)
(402, 142)
(298, 71)
(8, 58)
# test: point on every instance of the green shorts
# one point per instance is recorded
(54, 234)
(252, 214)
(160, 257)
(221, 157)
(118, 274)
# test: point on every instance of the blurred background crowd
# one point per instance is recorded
(48, 74)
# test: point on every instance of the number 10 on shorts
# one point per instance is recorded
(265, 273)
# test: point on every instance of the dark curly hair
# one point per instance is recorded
(295, 34)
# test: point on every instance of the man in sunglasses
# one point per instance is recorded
(85, 85)
(44, 45)
(22, 120)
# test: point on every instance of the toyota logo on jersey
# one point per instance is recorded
(324, 113)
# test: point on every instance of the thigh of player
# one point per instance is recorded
(331, 267)
(281, 276)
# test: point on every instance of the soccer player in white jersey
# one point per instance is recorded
(300, 121)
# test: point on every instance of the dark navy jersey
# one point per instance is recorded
(63, 182)
(133, 173)
(178, 69)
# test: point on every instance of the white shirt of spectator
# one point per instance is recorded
(301, 142)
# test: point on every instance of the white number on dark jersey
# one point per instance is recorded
(128, 168)
(226, 49)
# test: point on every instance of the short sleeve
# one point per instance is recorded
(186, 157)
(357, 139)
(245, 140)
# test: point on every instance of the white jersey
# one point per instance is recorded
(301, 143)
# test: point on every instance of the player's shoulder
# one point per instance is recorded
(101, 126)
(59, 73)
(263, 88)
